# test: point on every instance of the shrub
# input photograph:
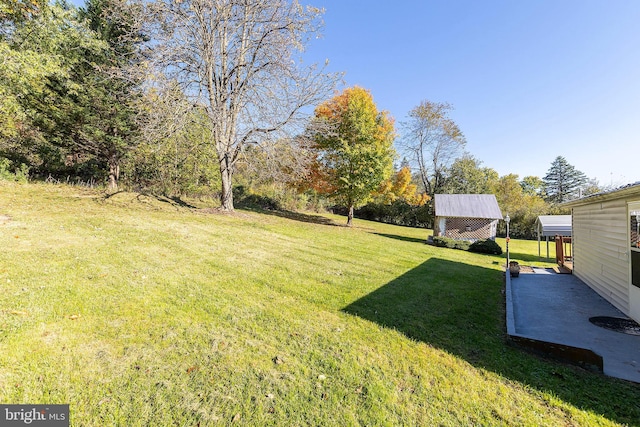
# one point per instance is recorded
(397, 213)
(245, 199)
(446, 242)
(487, 246)
(11, 173)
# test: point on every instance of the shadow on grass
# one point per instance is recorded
(460, 308)
(403, 238)
(107, 196)
(529, 257)
(171, 200)
(175, 201)
(296, 216)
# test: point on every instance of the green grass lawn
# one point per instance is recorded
(139, 311)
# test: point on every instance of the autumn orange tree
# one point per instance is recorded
(401, 187)
(353, 150)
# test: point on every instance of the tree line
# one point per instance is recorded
(167, 96)
(200, 98)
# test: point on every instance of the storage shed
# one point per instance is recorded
(606, 245)
(466, 216)
(551, 226)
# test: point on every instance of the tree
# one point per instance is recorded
(21, 70)
(532, 185)
(509, 194)
(401, 187)
(592, 186)
(356, 154)
(466, 176)
(173, 160)
(236, 59)
(106, 108)
(523, 208)
(434, 141)
(71, 105)
(562, 181)
(17, 11)
(41, 55)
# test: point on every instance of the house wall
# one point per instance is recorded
(466, 228)
(634, 289)
(601, 250)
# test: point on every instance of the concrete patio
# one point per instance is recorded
(549, 313)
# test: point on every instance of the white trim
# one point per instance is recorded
(634, 291)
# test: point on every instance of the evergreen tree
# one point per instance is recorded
(67, 100)
(40, 54)
(108, 105)
(562, 181)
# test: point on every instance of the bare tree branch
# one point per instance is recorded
(433, 141)
(236, 59)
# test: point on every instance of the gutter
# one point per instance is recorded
(627, 190)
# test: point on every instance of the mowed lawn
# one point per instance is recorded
(141, 311)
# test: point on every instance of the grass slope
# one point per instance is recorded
(140, 311)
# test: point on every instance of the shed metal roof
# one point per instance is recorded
(551, 225)
(467, 206)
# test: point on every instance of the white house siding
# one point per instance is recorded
(601, 249)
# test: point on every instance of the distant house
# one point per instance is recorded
(466, 216)
(606, 245)
(551, 226)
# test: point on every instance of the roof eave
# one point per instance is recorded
(603, 197)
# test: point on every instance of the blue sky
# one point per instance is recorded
(528, 80)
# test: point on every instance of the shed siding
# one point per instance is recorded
(469, 228)
(601, 255)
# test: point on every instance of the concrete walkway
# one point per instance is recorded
(545, 308)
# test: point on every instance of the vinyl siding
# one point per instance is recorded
(601, 250)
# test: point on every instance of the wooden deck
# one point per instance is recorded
(566, 268)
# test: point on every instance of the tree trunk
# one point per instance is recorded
(114, 173)
(226, 196)
(350, 216)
